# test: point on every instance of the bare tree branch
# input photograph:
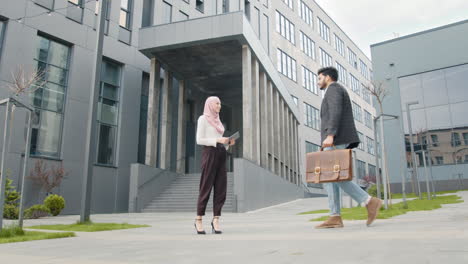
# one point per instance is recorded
(26, 82)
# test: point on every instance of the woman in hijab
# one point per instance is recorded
(210, 132)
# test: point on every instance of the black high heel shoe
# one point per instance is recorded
(198, 232)
(213, 230)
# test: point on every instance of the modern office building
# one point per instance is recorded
(427, 74)
(161, 60)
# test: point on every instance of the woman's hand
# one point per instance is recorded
(223, 140)
(232, 142)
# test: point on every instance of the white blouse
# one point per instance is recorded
(206, 133)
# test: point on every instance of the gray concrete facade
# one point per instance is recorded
(430, 67)
(163, 63)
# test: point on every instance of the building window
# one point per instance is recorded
(167, 13)
(361, 169)
(366, 93)
(324, 30)
(257, 14)
(52, 58)
(295, 100)
(312, 117)
(339, 45)
(456, 139)
(342, 74)
(309, 80)
(307, 45)
(285, 27)
(364, 70)
(2, 34)
(372, 172)
(325, 58)
(357, 112)
(289, 3)
(435, 140)
(311, 147)
(286, 65)
(370, 146)
(306, 13)
(352, 58)
(125, 13)
(354, 84)
(368, 119)
(107, 10)
(200, 6)
(465, 138)
(225, 6)
(108, 112)
(147, 13)
(247, 9)
(439, 160)
(143, 117)
(361, 139)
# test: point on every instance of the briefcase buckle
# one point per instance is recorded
(336, 168)
(317, 170)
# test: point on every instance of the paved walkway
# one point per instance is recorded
(271, 235)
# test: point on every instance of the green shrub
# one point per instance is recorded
(372, 191)
(11, 195)
(36, 211)
(10, 211)
(55, 203)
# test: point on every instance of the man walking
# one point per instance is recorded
(338, 130)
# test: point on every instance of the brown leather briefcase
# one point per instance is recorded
(329, 166)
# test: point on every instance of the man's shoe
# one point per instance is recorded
(331, 222)
(373, 208)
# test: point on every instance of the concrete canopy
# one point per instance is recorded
(207, 52)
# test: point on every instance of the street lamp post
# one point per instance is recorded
(377, 171)
(91, 123)
(413, 156)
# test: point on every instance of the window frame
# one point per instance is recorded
(40, 109)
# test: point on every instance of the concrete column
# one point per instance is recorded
(278, 132)
(153, 113)
(282, 135)
(180, 164)
(264, 131)
(288, 143)
(247, 126)
(293, 147)
(270, 125)
(296, 153)
(166, 121)
(256, 111)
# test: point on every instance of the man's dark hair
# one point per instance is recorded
(329, 71)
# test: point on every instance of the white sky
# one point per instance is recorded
(370, 21)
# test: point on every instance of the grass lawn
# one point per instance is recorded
(360, 213)
(88, 227)
(424, 194)
(15, 234)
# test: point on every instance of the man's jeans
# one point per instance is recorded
(349, 187)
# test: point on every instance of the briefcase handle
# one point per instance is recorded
(334, 147)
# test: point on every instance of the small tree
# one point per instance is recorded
(26, 81)
(379, 91)
(10, 209)
(47, 178)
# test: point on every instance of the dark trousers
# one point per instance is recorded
(213, 174)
